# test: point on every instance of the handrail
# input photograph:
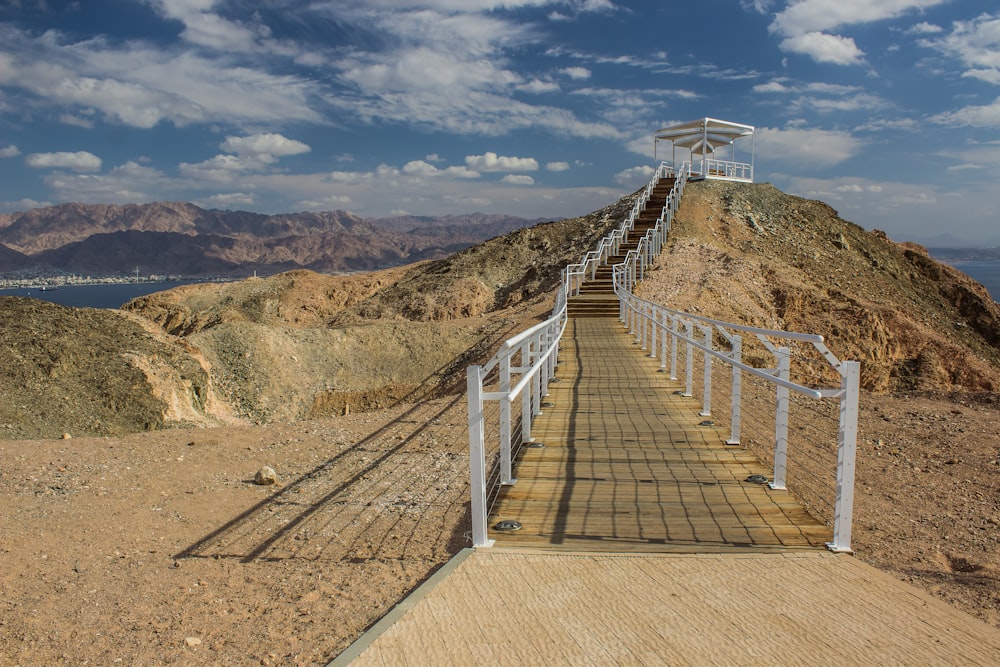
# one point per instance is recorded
(537, 352)
(649, 321)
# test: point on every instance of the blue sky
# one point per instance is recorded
(889, 110)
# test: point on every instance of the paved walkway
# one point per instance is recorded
(627, 468)
(532, 608)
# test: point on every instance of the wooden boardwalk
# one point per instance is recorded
(627, 465)
(627, 468)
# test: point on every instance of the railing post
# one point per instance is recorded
(675, 326)
(505, 455)
(706, 409)
(526, 402)
(477, 457)
(663, 341)
(846, 452)
(781, 421)
(536, 380)
(652, 331)
(643, 322)
(735, 421)
(689, 359)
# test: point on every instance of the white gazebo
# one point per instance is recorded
(702, 138)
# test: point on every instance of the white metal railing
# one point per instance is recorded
(574, 275)
(722, 169)
(662, 330)
(530, 359)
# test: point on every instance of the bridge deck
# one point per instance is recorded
(627, 466)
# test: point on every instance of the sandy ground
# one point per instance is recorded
(160, 549)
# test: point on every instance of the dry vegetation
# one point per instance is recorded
(157, 548)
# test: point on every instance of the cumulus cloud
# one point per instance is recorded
(635, 176)
(22, 205)
(492, 162)
(577, 73)
(9, 151)
(141, 85)
(987, 115)
(518, 179)
(265, 147)
(817, 15)
(824, 48)
(805, 25)
(78, 161)
(557, 166)
(230, 199)
(976, 44)
(126, 183)
(802, 147)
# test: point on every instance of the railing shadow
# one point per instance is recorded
(398, 493)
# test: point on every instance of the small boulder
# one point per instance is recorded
(265, 476)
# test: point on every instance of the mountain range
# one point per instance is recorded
(179, 238)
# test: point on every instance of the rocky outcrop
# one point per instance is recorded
(752, 254)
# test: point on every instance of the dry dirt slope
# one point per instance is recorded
(155, 549)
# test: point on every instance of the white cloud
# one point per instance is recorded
(126, 183)
(976, 44)
(9, 151)
(420, 168)
(220, 169)
(987, 115)
(924, 28)
(806, 16)
(492, 162)
(987, 75)
(22, 205)
(518, 179)
(79, 161)
(804, 25)
(264, 146)
(557, 166)
(577, 73)
(539, 87)
(824, 48)
(635, 176)
(807, 148)
(909, 211)
(142, 85)
(229, 199)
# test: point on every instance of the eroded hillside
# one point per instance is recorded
(291, 346)
(752, 254)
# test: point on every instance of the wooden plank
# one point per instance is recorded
(627, 465)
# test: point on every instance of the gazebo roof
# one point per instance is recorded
(704, 135)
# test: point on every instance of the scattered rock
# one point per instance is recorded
(192, 641)
(67, 436)
(265, 476)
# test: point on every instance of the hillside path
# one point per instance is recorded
(642, 543)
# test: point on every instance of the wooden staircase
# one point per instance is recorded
(597, 295)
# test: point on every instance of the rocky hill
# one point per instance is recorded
(181, 238)
(294, 345)
(752, 254)
(302, 344)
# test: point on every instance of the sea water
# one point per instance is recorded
(986, 272)
(103, 295)
(114, 295)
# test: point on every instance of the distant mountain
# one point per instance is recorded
(181, 238)
(12, 260)
(965, 254)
